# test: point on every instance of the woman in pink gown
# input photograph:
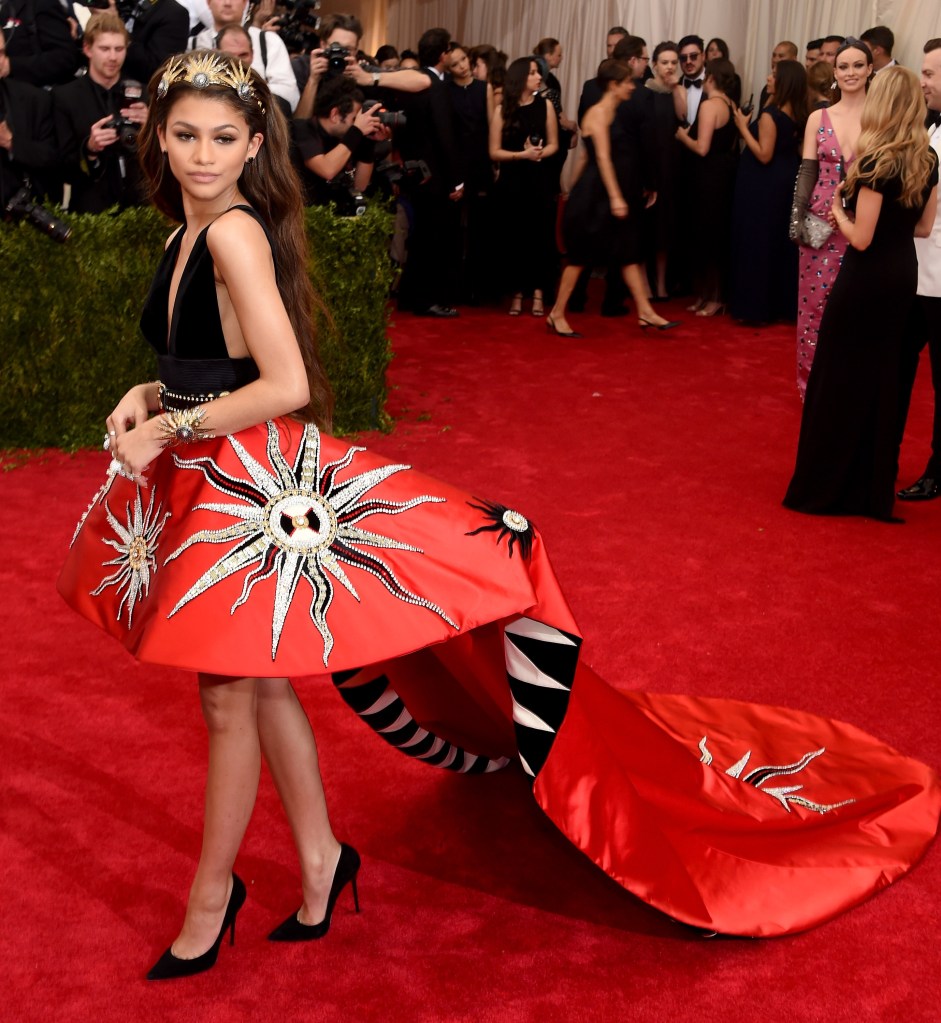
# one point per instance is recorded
(829, 142)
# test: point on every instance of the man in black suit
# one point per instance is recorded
(27, 135)
(101, 167)
(429, 282)
(159, 28)
(39, 42)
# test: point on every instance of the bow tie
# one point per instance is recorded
(694, 83)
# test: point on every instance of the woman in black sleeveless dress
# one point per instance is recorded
(523, 134)
(713, 138)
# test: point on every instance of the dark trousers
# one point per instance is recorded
(923, 328)
(431, 267)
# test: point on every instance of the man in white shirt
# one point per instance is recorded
(924, 327)
(271, 56)
(693, 68)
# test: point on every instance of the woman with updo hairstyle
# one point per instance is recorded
(820, 85)
(764, 262)
(847, 454)
(523, 134)
(718, 49)
(488, 64)
(714, 139)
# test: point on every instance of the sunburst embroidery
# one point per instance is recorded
(506, 523)
(136, 545)
(299, 522)
(784, 794)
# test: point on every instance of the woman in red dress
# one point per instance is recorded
(234, 538)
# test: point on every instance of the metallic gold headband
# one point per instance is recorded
(203, 68)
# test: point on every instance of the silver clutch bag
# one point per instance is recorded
(814, 230)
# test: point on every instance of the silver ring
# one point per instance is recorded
(111, 433)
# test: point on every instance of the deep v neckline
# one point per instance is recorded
(844, 159)
(173, 308)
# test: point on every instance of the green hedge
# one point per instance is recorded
(70, 345)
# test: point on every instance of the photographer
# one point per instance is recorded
(27, 135)
(159, 28)
(39, 44)
(340, 36)
(270, 56)
(334, 147)
(97, 123)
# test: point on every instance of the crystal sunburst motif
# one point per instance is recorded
(136, 545)
(299, 522)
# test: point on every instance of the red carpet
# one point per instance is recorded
(654, 465)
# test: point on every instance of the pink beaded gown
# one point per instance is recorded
(819, 267)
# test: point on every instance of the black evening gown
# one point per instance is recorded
(848, 447)
(661, 219)
(592, 235)
(526, 205)
(711, 188)
(764, 260)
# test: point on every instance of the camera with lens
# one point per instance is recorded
(298, 23)
(336, 59)
(392, 118)
(132, 92)
(23, 207)
(348, 202)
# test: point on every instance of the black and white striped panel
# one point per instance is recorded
(540, 666)
(381, 707)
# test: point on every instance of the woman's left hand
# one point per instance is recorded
(137, 448)
(741, 120)
(682, 133)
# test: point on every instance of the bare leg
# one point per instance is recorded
(290, 750)
(661, 261)
(636, 280)
(231, 786)
(563, 293)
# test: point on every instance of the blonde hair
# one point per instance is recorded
(893, 142)
(102, 22)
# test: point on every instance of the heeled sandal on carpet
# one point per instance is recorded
(168, 966)
(516, 306)
(711, 309)
(538, 307)
(696, 306)
(666, 325)
(553, 329)
(347, 868)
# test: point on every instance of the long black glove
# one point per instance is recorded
(803, 189)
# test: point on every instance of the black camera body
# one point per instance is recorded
(349, 202)
(336, 59)
(127, 132)
(392, 118)
(297, 25)
(22, 207)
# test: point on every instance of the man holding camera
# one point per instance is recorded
(97, 122)
(340, 35)
(335, 146)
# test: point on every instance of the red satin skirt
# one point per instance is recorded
(281, 551)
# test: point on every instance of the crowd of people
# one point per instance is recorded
(471, 145)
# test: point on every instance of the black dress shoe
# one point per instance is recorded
(442, 312)
(925, 489)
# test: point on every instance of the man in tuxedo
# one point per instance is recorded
(924, 326)
(430, 280)
(27, 134)
(693, 68)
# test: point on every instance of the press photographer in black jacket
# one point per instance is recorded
(39, 42)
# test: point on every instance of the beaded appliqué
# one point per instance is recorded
(506, 523)
(757, 776)
(299, 522)
(136, 545)
(113, 470)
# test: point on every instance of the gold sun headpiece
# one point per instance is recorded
(202, 68)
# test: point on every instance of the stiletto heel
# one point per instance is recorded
(347, 869)
(553, 329)
(168, 966)
(666, 325)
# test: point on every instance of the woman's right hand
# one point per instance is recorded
(618, 208)
(531, 152)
